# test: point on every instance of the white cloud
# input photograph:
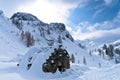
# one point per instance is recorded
(94, 35)
(107, 2)
(10, 6)
(98, 11)
(51, 10)
(98, 30)
(46, 10)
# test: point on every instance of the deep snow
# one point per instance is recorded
(9, 71)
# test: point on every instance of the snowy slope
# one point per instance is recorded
(10, 45)
(109, 51)
(8, 71)
(39, 57)
(102, 74)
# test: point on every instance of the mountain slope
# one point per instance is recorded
(10, 45)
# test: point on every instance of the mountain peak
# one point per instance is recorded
(24, 16)
(59, 26)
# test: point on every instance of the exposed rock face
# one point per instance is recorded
(59, 59)
(24, 16)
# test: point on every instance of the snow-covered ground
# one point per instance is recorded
(9, 71)
(111, 73)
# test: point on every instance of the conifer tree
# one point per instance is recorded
(22, 35)
(72, 58)
(84, 60)
(59, 39)
(29, 39)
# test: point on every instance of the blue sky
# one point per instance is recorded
(95, 11)
(85, 19)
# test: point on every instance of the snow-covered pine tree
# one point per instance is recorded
(22, 35)
(72, 58)
(29, 39)
(59, 39)
(84, 60)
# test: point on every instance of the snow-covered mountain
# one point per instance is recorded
(27, 40)
(14, 31)
(47, 37)
(44, 34)
(109, 51)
